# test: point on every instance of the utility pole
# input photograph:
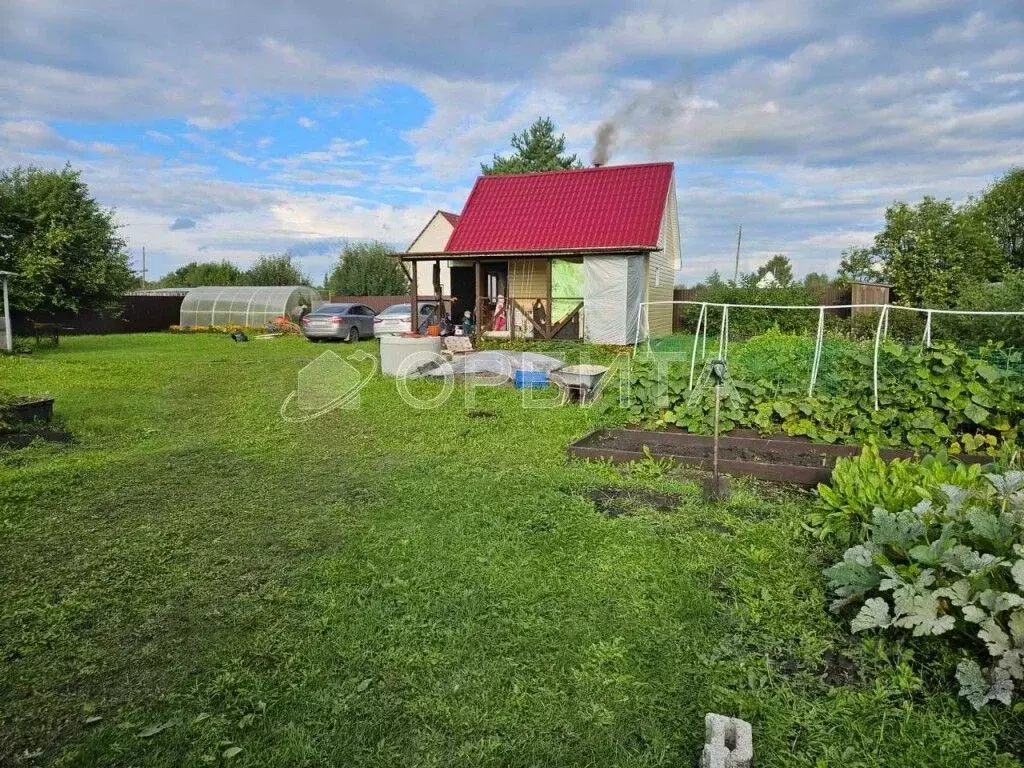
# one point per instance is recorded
(739, 239)
(143, 266)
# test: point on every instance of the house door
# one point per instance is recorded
(495, 280)
(495, 275)
(463, 291)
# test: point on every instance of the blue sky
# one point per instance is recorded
(217, 134)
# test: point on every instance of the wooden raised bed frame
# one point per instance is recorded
(741, 452)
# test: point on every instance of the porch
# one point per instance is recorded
(536, 296)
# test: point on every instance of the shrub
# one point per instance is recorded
(861, 484)
(950, 566)
(977, 330)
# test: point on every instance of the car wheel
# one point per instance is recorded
(353, 335)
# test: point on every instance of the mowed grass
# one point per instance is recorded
(197, 581)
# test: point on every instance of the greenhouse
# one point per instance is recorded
(247, 306)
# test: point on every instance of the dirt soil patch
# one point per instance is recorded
(614, 502)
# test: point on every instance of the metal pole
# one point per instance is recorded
(739, 239)
(714, 459)
(8, 343)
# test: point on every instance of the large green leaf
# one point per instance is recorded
(976, 413)
(874, 614)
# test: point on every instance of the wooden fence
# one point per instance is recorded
(138, 314)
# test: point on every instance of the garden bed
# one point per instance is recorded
(29, 410)
(782, 459)
(24, 437)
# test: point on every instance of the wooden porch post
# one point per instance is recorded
(510, 304)
(478, 309)
(414, 291)
(437, 291)
(550, 319)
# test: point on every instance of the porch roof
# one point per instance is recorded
(548, 253)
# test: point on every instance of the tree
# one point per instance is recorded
(63, 246)
(367, 269)
(862, 265)
(275, 270)
(535, 149)
(196, 273)
(931, 253)
(781, 269)
(1002, 208)
(815, 284)
(715, 279)
(816, 281)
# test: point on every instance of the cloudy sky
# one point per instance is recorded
(226, 130)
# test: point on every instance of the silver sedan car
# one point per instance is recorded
(397, 319)
(339, 322)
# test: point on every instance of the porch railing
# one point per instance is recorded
(535, 317)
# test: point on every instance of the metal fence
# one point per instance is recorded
(137, 314)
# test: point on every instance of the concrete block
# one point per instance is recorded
(728, 743)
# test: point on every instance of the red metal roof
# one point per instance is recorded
(452, 218)
(609, 207)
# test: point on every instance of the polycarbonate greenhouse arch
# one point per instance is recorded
(248, 306)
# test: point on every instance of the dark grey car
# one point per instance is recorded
(340, 322)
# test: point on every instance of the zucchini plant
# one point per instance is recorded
(950, 566)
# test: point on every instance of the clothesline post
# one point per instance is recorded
(701, 318)
(882, 323)
(723, 334)
(818, 344)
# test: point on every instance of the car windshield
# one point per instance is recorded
(332, 309)
(398, 309)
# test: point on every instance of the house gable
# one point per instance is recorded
(435, 235)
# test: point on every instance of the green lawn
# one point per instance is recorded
(389, 587)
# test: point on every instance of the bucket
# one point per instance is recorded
(433, 330)
(531, 379)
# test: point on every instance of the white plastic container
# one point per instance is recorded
(396, 353)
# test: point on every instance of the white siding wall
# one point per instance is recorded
(662, 266)
(434, 237)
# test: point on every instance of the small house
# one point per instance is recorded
(562, 254)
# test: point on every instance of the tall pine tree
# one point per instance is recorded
(535, 149)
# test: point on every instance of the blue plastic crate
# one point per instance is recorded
(531, 379)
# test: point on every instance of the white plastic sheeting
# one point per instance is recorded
(248, 306)
(495, 361)
(613, 294)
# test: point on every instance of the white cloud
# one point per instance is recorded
(800, 119)
(31, 134)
